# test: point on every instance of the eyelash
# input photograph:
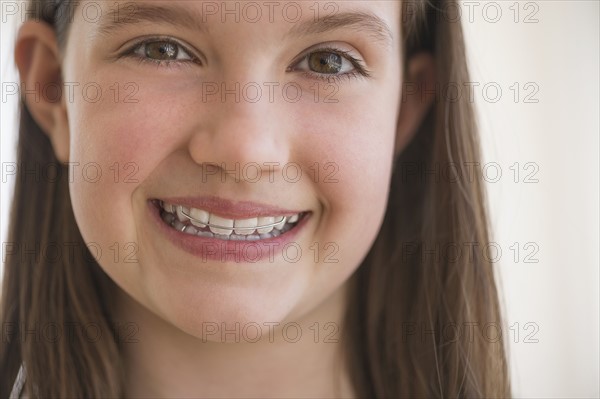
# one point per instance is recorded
(131, 52)
(359, 69)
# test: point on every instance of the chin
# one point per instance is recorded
(225, 314)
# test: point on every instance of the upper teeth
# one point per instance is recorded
(219, 225)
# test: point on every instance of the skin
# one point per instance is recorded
(172, 136)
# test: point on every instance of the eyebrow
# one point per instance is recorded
(140, 13)
(193, 19)
(359, 20)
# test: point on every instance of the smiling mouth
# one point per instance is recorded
(202, 223)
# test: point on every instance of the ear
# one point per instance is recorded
(38, 60)
(417, 95)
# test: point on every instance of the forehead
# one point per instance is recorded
(379, 20)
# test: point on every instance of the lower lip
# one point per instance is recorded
(214, 249)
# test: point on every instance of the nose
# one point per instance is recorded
(242, 134)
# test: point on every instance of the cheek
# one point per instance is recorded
(353, 146)
(348, 151)
(114, 147)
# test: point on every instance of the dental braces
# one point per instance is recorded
(230, 227)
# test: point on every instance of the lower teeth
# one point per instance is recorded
(172, 221)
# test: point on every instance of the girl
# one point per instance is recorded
(245, 199)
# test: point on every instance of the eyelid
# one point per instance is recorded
(358, 64)
(130, 50)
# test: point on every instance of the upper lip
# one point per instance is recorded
(230, 209)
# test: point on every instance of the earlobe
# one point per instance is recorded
(38, 61)
(417, 96)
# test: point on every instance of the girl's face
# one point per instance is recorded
(238, 114)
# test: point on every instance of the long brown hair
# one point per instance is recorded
(403, 298)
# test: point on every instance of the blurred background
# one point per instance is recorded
(535, 68)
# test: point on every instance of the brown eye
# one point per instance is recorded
(329, 63)
(325, 62)
(161, 50)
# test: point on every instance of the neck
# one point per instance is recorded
(166, 362)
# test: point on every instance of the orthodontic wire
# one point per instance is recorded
(232, 227)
